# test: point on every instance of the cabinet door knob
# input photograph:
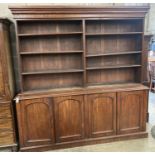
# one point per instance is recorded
(17, 99)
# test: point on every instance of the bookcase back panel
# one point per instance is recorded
(50, 81)
(114, 60)
(51, 62)
(50, 43)
(39, 27)
(110, 76)
(107, 44)
(113, 26)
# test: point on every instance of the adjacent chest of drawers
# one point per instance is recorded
(7, 135)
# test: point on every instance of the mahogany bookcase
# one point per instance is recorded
(80, 71)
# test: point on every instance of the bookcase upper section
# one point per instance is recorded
(68, 47)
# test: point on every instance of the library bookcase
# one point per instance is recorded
(80, 71)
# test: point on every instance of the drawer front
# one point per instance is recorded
(6, 137)
(6, 123)
(5, 110)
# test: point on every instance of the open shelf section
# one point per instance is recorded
(98, 54)
(79, 52)
(112, 67)
(50, 52)
(113, 44)
(114, 26)
(54, 71)
(52, 81)
(48, 43)
(49, 27)
(114, 75)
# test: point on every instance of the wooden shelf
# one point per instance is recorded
(54, 71)
(51, 52)
(112, 67)
(48, 34)
(115, 53)
(106, 34)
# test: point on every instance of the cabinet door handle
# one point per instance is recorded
(17, 99)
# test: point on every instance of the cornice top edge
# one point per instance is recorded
(67, 7)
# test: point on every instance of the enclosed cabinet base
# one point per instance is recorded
(74, 118)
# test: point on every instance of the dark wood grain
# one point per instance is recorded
(130, 112)
(69, 118)
(38, 112)
(102, 110)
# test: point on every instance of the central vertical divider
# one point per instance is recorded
(84, 53)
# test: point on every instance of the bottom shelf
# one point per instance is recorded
(73, 80)
(51, 81)
(112, 76)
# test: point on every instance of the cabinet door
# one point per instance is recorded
(131, 108)
(35, 122)
(69, 119)
(102, 114)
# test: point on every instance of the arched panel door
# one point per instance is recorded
(131, 109)
(69, 119)
(35, 122)
(102, 114)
